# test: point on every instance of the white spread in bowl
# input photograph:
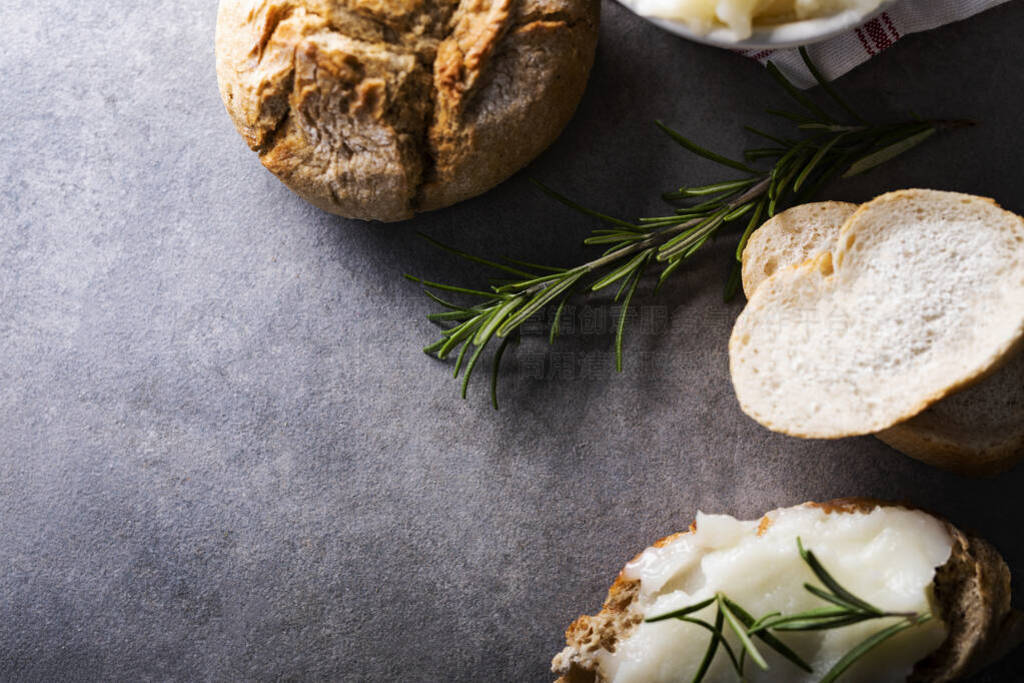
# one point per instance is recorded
(739, 18)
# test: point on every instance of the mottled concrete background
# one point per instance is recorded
(222, 453)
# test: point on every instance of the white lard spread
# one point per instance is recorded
(741, 16)
(887, 557)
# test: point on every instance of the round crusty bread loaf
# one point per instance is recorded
(922, 296)
(978, 431)
(972, 595)
(790, 238)
(376, 110)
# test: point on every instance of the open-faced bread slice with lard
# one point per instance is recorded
(922, 296)
(895, 558)
(977, 431)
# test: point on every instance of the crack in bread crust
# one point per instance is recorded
(380, 108)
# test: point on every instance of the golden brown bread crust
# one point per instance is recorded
(962, 445)
(940, 449)
(972, 591)
(376, 109)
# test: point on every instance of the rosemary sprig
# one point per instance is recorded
(827, 147)
(845, 609)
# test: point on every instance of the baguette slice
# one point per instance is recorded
(970, 595)
(790, 238)
(978, 431)
(922, 297)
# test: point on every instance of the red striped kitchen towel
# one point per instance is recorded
(835, 56)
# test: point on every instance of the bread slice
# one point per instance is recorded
(978, 431)
(790, 238)
(971, 596)
(922, 296)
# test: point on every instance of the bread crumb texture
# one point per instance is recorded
(790, 238)
(377, 109)
(922, 296)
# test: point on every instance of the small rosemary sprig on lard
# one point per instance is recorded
(826, 147)
(846, 609)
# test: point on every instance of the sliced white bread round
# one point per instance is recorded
(978, 431)
(922, 296)
(790, 238)
(970, 595)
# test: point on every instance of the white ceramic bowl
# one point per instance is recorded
(786, 35)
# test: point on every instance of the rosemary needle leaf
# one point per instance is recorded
(831, 127)
(526, 284)
(701, 208)
(867, 645)
(732, 285)
(794, 92)
(891, 152)
(673, 265)
(542, 299)
(709, 656)
(767, 638)
(557, 321)
(700, 151)
(827, 87)
(449, 288)
(798, 119)
(536, 266)
(495, 319)
(765, 623)
(582, 209)
(763, 153)
(782, 185)
(469, 369)
(446, 304)
(755, 221)
(693, 250)
(821, 624)
(462, 354)
(725, 643)
(450, 315)
(622, 314)
(494, 371)
(475, 259)
(741, 632)
(782, 142)
(830, 583)
(815, 160)
(683, 244)
(825, 595)
(760, 623)
(619, 273)
(740, 212)
(622, 288)
(717, 188)
(457, 334)
(681, 612)
(684, 240)
(429, 350)
(614, 238)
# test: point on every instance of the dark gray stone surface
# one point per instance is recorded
(223, 455)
